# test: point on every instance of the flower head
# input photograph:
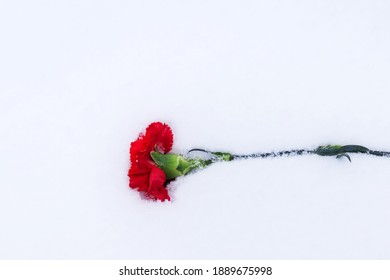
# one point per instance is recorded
(145, 175)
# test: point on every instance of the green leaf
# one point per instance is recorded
(333, 150)
(329, 150)
(223, 156)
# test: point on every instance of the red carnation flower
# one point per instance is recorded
(152, 166)
(145, 175)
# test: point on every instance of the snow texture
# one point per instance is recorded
(79, 80)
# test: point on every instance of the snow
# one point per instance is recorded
(80, 80)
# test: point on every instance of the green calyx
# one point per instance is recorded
(175, 165)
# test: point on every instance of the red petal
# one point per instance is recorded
(156, 184)
(159, 135)
(139, 149)
(139, 182)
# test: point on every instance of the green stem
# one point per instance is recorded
(300, 152)
(329, 150)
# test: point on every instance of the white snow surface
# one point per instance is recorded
(79, 80)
